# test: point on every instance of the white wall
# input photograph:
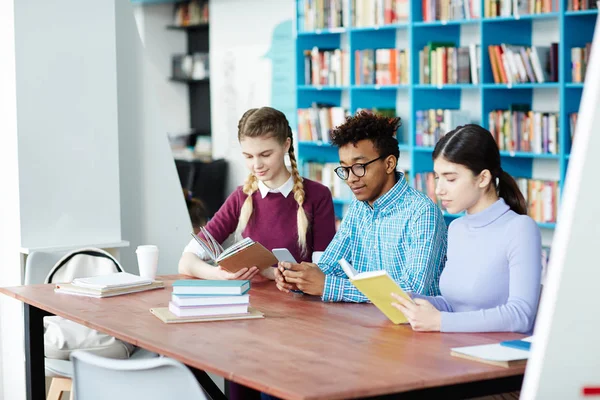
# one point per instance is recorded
(12, 372)
(67, 122)
(152, 203)
(240, 72)
(160, 44)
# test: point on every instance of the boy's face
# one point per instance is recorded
(370, 186)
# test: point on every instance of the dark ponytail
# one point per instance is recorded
(510, 192)
(475, 148)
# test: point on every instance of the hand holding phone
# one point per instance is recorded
(286, 256)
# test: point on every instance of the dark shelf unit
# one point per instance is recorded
(186, 80)
(198, 89)
(200, 27)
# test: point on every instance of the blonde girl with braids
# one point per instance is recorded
(274, 206)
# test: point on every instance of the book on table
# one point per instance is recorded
(377, 286)
(210, 287)
(194, 300)
(108, 285)
(242, 254)
(493, 354)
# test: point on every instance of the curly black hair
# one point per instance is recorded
(379, 129)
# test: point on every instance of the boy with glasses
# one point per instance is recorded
(391, 226)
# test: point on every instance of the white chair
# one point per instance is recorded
(37, 267)
(100, 378)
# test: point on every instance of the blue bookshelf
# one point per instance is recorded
(569, 29)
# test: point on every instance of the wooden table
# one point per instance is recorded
(303, 349)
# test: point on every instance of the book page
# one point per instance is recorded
(236, 247)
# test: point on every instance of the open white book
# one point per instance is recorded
(112, 281)
(242, 254)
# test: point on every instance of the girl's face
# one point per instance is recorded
(264, 157)
(457, 187)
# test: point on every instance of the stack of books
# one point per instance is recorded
(200, 298)
(108, 285)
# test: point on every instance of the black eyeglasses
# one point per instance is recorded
(358, 170)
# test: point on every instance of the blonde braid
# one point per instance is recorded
(250, 186)
(299, 195)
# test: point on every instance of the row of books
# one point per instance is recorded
(379, 12)
(191, 13)
(332, 14)
(541, 195)
(520, 129)
(450, 10)
(442, 63)
(324, 173)
(326, 67)
(381, 67)
(202, 298)
(581, 5)
(315, 123)
(521, 64)
(507, 8)
(324, 14)
(432, 124)
(580, 56)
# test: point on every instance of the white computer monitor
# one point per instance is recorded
(565, 355)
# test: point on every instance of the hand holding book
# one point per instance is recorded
(421, 314)
(243, 254)
(243, 274)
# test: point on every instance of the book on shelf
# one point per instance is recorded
(377, 286)
(508, 8)
(542, 198)
(326, 67)
(443, 64)
(242, 254)
(582, 5)
(191, 13)
(450, 10)
(431, 125)
(520, 129)
(210, 287)
(493, 354)
(366, 13)
(580, 56)
(316, 123)
(514, 64)
(381, 67)
(327, 14)
(325, 174)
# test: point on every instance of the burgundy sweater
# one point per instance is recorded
(273, 221)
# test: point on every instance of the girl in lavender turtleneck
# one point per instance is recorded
(491, 280)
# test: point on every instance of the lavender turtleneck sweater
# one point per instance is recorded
(491, 281)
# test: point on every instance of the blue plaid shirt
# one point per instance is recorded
(404, 233)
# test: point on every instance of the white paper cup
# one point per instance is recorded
(147, 257)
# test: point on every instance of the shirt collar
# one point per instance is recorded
(487, 216)
(284, 189)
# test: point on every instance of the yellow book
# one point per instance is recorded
(377, 286)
